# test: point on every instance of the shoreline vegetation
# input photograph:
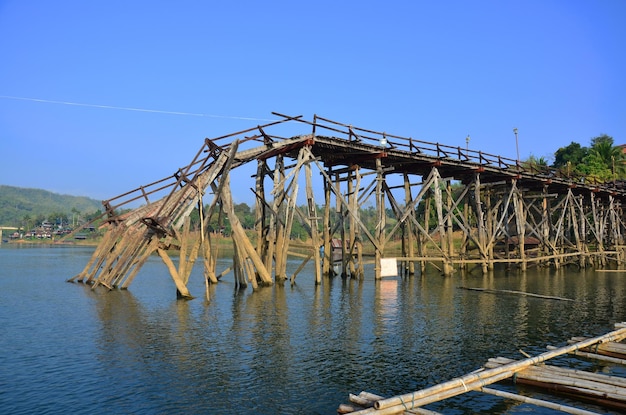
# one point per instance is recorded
(223, 244)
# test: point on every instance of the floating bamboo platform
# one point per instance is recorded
(452, 208)
(598, 389)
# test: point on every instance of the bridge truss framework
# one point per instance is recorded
(454, 208)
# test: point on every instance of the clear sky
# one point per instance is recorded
(433, 70)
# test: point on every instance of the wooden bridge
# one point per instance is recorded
(454, 208)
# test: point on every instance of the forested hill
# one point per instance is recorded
(18, 204)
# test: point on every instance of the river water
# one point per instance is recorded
(65, 348)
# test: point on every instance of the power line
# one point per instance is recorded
(113, 107)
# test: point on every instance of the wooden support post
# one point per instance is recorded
(313, 220)
(341, 214)
(380, 227)
(520, 221)
(239, 235)
(575, 229)
(259, 210)
(240, 280)
(441, 226)
(152, 246)
(117, 258)
(449, 222)
(408, 226)
(545, 223)
(599, 229)
(349, 258)
(327, 260)
(125, 262)
(491, 231)
(290, 195)
(281, 209)
(583, 232)
(272, 230)
(210, 259)
(421, 238)
(463, 251)
(354, 225)
(182, 291)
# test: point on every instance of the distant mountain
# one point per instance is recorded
(16, 203)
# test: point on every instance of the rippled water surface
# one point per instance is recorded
(65, 348)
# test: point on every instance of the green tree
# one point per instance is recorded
(603, 138)
(27, 222)
(571, 155)
(535, 164)
(605, 162)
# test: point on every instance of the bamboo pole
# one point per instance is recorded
(367, 399)
(584, 383)
(538, 402)
(487, 290)
(595, 356)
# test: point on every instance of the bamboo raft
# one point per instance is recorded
(603, 390)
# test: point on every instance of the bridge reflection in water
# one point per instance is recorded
(453, 207)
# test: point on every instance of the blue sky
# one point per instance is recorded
(435, 71)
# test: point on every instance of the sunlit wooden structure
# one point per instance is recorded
(452, 207)
(600, 389)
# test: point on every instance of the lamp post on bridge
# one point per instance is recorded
(516, 145)
(467, 144)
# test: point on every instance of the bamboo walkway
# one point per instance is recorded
(506, 212)
(599, 389)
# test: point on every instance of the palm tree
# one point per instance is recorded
(612, 157)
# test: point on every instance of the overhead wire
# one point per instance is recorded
(115, 107)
